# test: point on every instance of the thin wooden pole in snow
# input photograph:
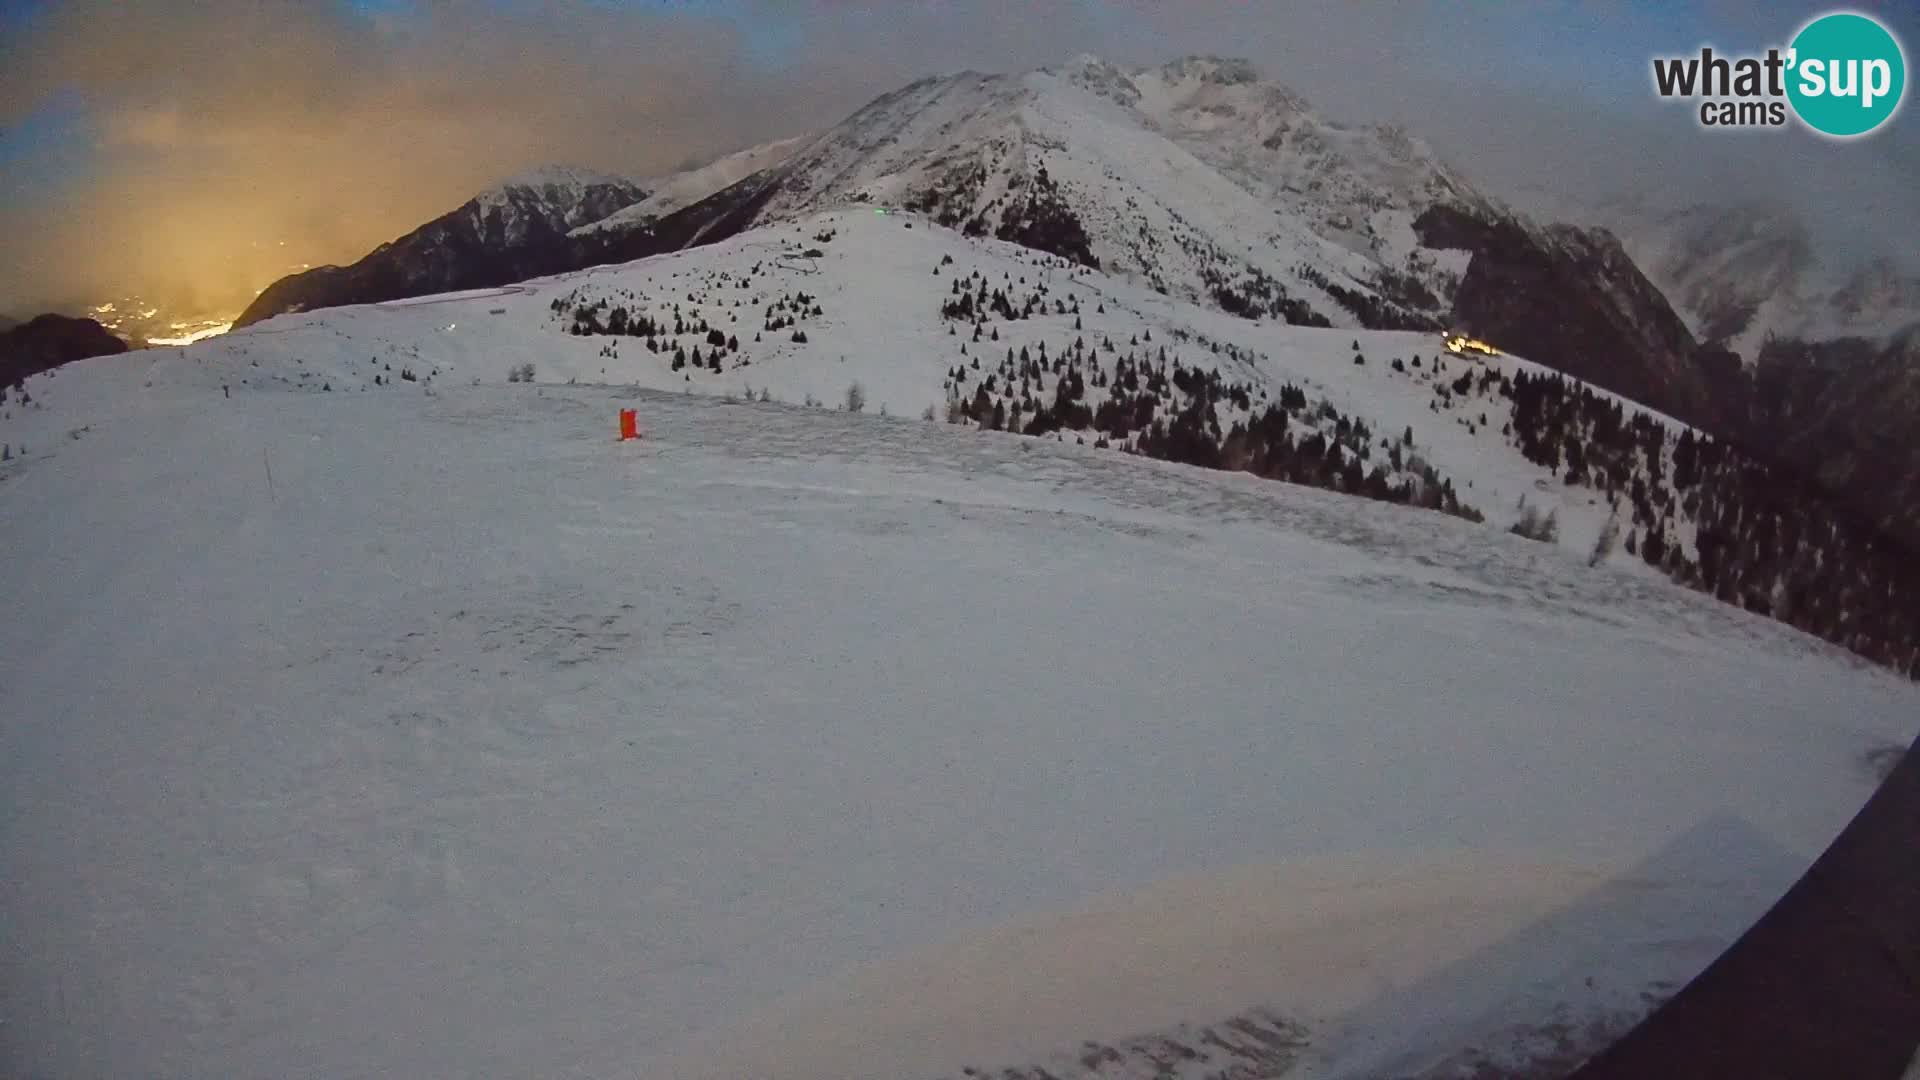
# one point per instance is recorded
(269, 465)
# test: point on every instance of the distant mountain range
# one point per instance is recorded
(1812, 361)
(1742, 272)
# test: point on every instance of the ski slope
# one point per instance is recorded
(367, 733)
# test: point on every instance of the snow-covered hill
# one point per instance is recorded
(929, 322)
(806, 309)
(362, 724)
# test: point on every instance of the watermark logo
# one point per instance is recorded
(1851, 73)
(1843, 75)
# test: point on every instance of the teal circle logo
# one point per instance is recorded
(1847, 75)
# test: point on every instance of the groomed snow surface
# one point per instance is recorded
(791, 743)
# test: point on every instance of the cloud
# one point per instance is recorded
(211, 133)
(217, 131)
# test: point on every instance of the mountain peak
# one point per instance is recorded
(561, 196)
(557, 175)
(1102, 77)
(1219, 70)
(562, 183)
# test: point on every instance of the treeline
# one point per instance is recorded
(1144, 401)
(709, 346)
(1378, 312)
(1765, 539)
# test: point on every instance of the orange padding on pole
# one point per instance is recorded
(629, 424)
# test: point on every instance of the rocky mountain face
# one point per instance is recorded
(509, 233)
(47, 341)
(1809, 365)
(1574, 295)
(1741, 273)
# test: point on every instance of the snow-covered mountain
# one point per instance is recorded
(1195, 177)
(1731, 270)
(992, 333)
(513, 230)
(928, 319)
(1198, 183)
(1204, 182)
(1811, 360)
(688, 186)
(1744, 272)
(372, 711)
(1359, 186)
(553, 198)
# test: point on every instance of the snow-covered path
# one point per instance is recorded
(484, 745)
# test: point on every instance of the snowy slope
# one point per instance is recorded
(1360, 187)
(1196, 178)
(374, 732)
(880, 282)
(552, 198)
(675, 190)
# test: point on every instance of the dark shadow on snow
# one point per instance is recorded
(1541, 1000)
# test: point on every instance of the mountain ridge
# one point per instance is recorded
(1207, 183)
(509, 232)
(1197, 177)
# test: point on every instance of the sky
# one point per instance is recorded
(196, 151)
